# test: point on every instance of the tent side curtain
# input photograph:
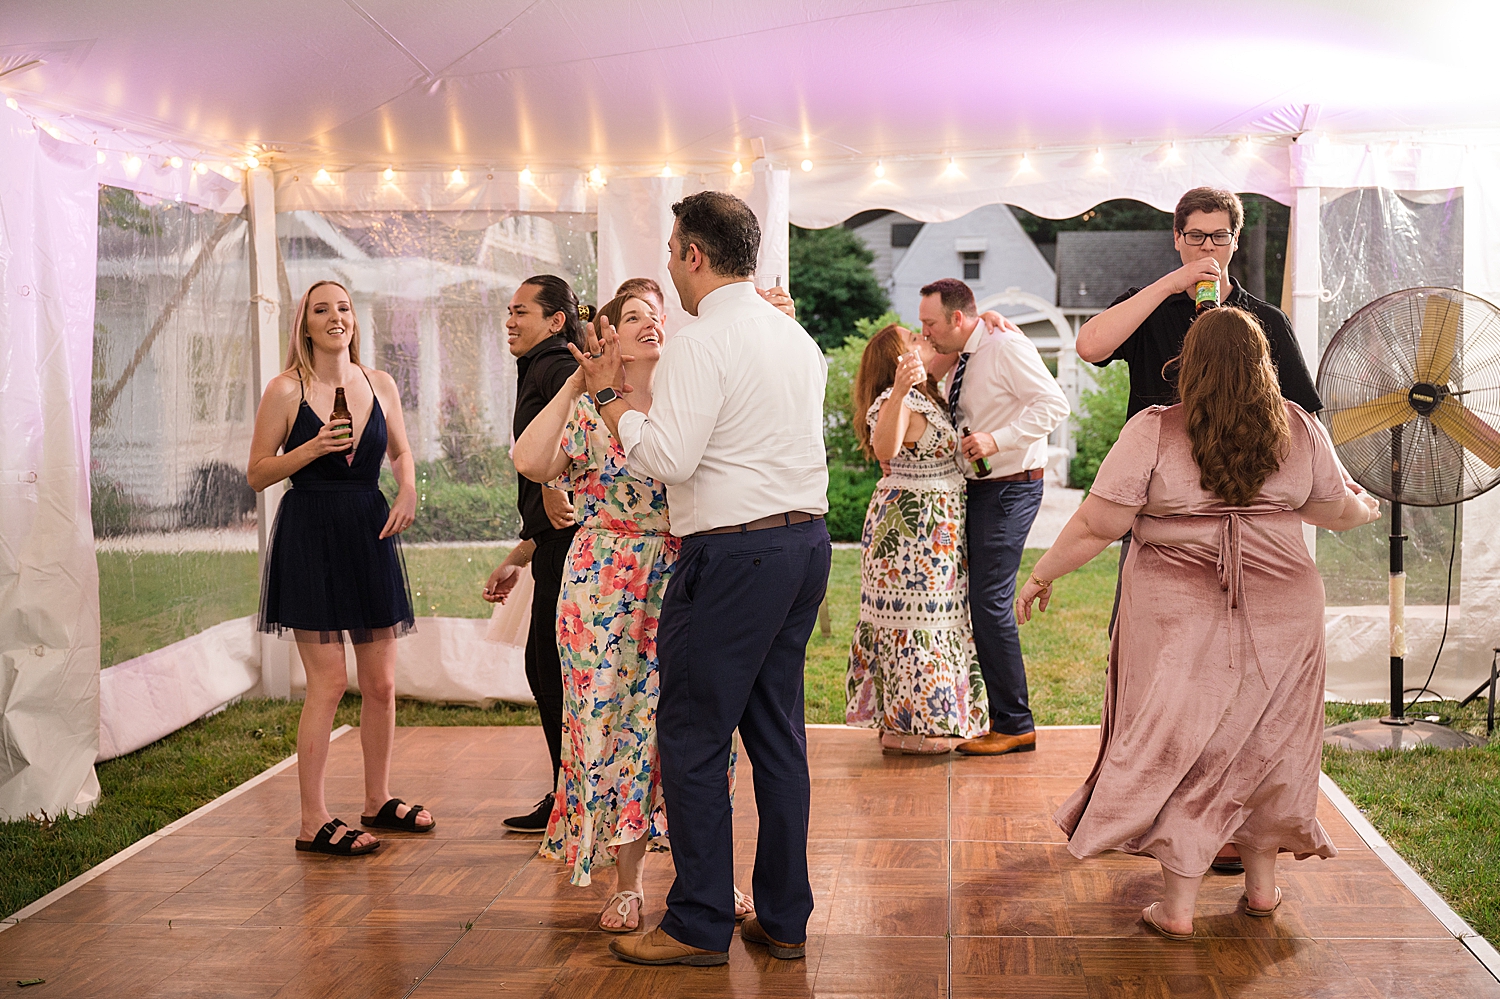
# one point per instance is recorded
(49, 604)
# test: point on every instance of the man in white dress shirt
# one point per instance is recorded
(735, 432)
(1004, 402)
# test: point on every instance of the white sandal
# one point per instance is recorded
(743, 901)
(624, 898)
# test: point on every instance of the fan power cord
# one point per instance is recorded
(1447, 606)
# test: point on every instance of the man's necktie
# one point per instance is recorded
(955, 385)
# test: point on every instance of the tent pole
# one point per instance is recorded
(1306, 265)
(265, 352)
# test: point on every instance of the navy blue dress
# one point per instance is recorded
(328, 571)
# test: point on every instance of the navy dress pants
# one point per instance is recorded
(733, 643)
(999, 518)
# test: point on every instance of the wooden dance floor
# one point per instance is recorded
(933, 878)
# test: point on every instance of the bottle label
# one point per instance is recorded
(1206, 294)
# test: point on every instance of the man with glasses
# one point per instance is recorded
(1145, 328)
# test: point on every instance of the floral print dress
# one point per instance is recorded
(912, 665)
(609, 789)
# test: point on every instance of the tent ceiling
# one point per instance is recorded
(507, 83)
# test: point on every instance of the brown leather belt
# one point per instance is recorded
(1030, 475)
(775, 520)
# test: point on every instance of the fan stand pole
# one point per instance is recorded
(1397, 605)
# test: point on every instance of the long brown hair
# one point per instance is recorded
(299, 347)
(877, 372)
(1236, 418)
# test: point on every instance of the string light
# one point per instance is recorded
(666, 170)
(456, 177)
(132, 162)
(1025, 162)
(200, 168)
(322, 176)
(806, 166)
(10, 102)
(251, 162)
(1099, 155)
(737, 167)
(100, 156)
(879, 170)
(596, 175)
(526, 175)
(390, 174)
(176, 162)
(952, 166)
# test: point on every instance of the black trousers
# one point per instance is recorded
(543, 664)
(1000, 516)
(733, 644)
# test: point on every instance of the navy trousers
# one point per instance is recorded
(733, 643)
(999, 518)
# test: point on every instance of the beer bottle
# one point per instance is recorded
(341, 412)
(1206, 295)
(982, 466)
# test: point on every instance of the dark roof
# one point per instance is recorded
(865, 217)
(1095, 268)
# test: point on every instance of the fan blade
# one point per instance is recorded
(1370, 417)
(1481, 439)
(1439, 339)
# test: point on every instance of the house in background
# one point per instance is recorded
(1095, 268)
(987, 248)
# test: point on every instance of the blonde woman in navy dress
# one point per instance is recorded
(334, 570)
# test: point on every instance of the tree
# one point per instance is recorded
(832, 283)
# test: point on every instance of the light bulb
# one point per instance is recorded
(526, 175)
(879, 169)
(132, 162)
(251, 162)
(596, 175)
(176, 162)
(389, 174)
(322, 177)
(457, 176)
(666, 170)
(200, 168)
(1025, 161)
(806, 165)
(10, 102)
(99, 156)
(737, 167)
(1099, 155)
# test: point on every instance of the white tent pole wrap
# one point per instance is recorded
(49, 582)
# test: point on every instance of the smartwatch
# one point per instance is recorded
(604, 397)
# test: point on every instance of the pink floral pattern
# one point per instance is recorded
(609, 789)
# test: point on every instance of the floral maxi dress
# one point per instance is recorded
(609, 788)
(912, 665)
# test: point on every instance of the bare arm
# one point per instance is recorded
(1102, 335)
(503, 579)
(537, 454)
(398, 450)
(896, 425)
(1092, 528)
(1348, 511)
(273, 422)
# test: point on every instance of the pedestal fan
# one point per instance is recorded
(1411, 386)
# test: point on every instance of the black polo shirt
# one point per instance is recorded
(1159, 339)
(540, 374)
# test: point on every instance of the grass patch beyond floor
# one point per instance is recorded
(1439, 810)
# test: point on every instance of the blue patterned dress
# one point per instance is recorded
(912, 665)
(609, 789)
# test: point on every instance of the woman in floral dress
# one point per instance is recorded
(913, 672)
(608, 807)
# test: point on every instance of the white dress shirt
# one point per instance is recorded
(736, 423)
(1009, 394)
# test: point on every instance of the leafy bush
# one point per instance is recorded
(1097, 425)
(849, 492)
(114, 511)
(217, 497)
(474, 500)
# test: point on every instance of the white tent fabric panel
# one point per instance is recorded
(49, 586)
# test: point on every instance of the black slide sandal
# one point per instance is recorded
(386, 818)
(323, 842)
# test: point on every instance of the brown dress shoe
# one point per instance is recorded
(751, 932)
(997, 744)
(657, 947)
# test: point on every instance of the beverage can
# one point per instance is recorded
(1206, 295)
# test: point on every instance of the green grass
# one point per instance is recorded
(1439, 810)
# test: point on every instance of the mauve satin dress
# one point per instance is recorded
(1212, 727)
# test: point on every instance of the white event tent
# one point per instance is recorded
(595, 116)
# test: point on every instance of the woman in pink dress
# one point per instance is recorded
(1213, 713)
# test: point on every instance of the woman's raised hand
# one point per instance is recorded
(328, 440)
(603, 365)
(909, 372)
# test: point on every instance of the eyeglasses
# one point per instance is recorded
(1195, 238)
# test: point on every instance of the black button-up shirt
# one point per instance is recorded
(1159, 339)
(540, 374)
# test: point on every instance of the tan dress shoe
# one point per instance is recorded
(997, 744)
(657, 947)
(751, 932)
